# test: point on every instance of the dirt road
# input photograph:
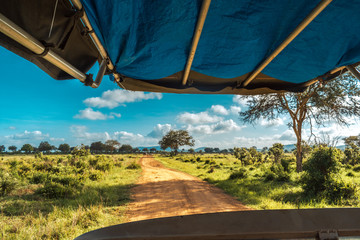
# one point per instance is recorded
(162, 192)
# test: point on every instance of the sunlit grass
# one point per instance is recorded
(253, 190)
(26, 215)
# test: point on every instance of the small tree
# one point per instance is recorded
(97, 147)
(153, 150)
(112, 145)
(27, 148)
(208, 150)
(45, 147)
(176, 138)
(64, 148)
(277, 150)
(2, 148)
(191, 150)
(12, 148)
(126, 148)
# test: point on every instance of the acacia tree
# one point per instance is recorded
(12, 148)
(320, 103)
(176, 138)
(112, 145)
(64, 148)
(27, 148)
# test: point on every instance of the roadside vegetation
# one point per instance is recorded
(269, 180)
(63, 196)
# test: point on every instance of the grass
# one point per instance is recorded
(253, 189)
(25, 214)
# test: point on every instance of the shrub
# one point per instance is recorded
(276, 173)
(7, 184)
(38, 177)
(320, 169)
(356, 168)
(56, 190)
(95, 175)
(103, 167)
(133, 165)
(240, 174)
(337, 190)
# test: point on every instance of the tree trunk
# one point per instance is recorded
(298, 155)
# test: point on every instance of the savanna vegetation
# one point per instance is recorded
(50, 195)
(63, 196)
(268, 179)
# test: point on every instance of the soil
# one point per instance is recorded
(163, 192)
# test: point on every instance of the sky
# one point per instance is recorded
(34, 108)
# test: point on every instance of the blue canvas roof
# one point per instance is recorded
(151, 39)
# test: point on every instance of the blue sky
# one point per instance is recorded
(35, 107)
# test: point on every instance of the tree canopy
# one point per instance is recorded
(176, 138)
(27, 148)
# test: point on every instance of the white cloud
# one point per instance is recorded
(160, 130)
(241, 100)
(219, 109)
(197, 118)
(90, 114)
(134, 139)
(26, 135)
(12, 128)
(57, 139)
(114, 98)
(271, 123)
(81, 134)
(217, 128)
(31, 137)
(235, 110)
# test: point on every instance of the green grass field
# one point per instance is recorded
(251, 186)
(61, 197)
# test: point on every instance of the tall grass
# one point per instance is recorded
(259, 186)
(98, 198)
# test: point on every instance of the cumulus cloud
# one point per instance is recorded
(217, 128)
(12, 128)
(219, 109)
(114, 98)
(160, 130)
(27, 135)
(31, 137)
(134, 139)
(197, 118)
(271, 123)
(240, 100)
(81, 134)
(90, 114)
(235, 110)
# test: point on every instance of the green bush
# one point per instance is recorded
(56, 190)
(103, 166)
(337, 190)
(7, 184)
(322, 176)
(133, 165)
(356, 168)
(276, 173)
(95, 175)
(240, 174)
(38, 177)
(320, 169)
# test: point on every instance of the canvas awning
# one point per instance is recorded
(148, 42)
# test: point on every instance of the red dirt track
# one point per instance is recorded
(163, 192)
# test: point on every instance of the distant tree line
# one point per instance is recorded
(109, 147)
